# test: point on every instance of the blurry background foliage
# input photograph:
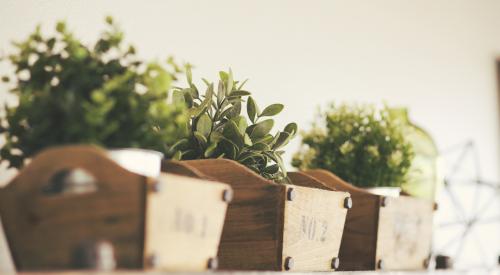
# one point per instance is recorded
(361, 144)
(100, 94)
(218, 129)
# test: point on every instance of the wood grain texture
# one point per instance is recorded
(184, 221)
(405, 233)
(44, 231)
(374, 233)
(257, 222)
(359, 241)
(252, 234)
(314, 222)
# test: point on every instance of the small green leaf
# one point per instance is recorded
(282, 140)
(272, 110)
(241, 122)
(220, 93)
(236, 110)
(291, 128)
(251, 109)
(204, 125)
(261, 129)
(216, 137)
(179, 145)
(260, 147)
(267, 139)
(229, 83)
(230, 150)
(247, 139)
(178, 97)
(109, 20)
(194, 91)
(188, 98)
(177, 155)
(223, 76)
(197, 111)
(202, 140)
(232, 133)
(239, 93)
(210, 150)
(189, 74)
(272, 169)
(224, 113)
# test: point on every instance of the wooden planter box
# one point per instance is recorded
(273, 226)
(383, 232)
(73, 207)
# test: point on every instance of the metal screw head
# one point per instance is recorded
(290, 195)
(426, 263)
(152, 261)
(443, 262)
(213, 263)
(380, 265)
(335, 263)
(288, 263)
(157, 186)
(348, 203)
(384, 201)
(94, 255)
(227, 195)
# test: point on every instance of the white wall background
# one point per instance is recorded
(435, 56)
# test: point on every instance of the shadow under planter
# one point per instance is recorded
(273, 226)
(74, 208)
(386, 233)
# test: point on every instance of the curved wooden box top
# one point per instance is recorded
(224, 170)
(334, 182)
(236, 174)
(53, 160)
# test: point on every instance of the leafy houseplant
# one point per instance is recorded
(219, 130)
(71, 93)
(361, 144)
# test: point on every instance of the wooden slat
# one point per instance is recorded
(399, 233)
(405, 233)
(184, 223)
(314, 222)
(260, 231)
(44, 230)
(252, 234)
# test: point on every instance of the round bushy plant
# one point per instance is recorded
(218, 129)
(361, 144)
(101, 94)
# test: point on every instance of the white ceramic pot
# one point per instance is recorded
(139, 161)
(385, 191)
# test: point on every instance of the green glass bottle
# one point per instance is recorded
(423, 176)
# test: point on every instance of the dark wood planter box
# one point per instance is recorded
(273, 226)
(382, 232)
(73, 207)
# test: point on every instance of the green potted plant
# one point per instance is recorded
(368, 147)
(362, 144)
(219, 129)
(100, 94)
(272, 209)
(75, 199)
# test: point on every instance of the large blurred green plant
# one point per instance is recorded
(71, 93)
(219, 130)
(361, 144)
